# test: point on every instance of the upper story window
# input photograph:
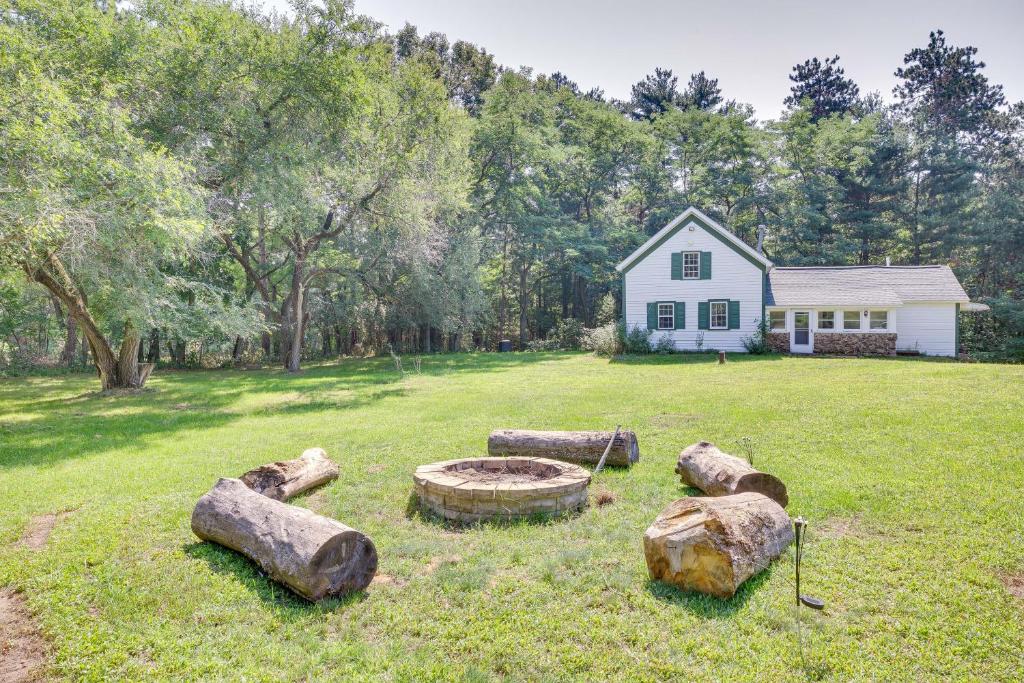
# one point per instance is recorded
(666, 316)
(851, 320)
(777, 320)
(719, 315)
(826, 320)
(878, 320)
(691, 265)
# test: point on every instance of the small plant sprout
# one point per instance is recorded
(747, 446)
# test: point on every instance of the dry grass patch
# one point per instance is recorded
(39, 528)
(1014, 584)
(604, 497)
(22, 647)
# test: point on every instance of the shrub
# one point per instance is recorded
(605, 340)
(665, 345)
(757, 343)
(636, 340)
(606, 310)
(567, 335)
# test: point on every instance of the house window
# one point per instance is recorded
(719, 315)
(777, 320)
(878, 320)
(851, 320)
(666, 316)
(826, 320)
(691, 265)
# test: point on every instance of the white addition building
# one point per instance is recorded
(705, 288)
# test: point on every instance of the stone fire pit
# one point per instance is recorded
(478, 489)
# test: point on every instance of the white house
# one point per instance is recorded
(702, 286)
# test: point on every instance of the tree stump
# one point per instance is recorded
(282, 480)
(315, 556)
(713, 545)
(705, 467)
(578, 447)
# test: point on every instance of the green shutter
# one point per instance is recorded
(652, 316)
(703, 315)
(677, 265)
(680, 315)
(705, 265)
(734, 315)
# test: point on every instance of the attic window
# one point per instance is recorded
(691, 265)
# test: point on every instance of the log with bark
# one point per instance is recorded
(578, 447)
(713, 545)
(705, 467)
(282, 480)
(315, 556)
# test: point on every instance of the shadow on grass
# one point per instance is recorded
(50, 425)
(288, 604)
(708, 606)
(416, 512)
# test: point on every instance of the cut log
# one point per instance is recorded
(578, 447)
(715, 473)
(315, 556)
(282, 480)
(712, 545)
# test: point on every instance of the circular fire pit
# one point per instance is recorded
(478, 489)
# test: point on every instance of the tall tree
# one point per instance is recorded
(824, 83)
(654, 95)
(701, 92)
(952, 113)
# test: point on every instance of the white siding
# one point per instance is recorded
(928, 328)
(732, 277)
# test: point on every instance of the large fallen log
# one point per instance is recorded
(712, 545)
(315, 556)
(578, 447)
(715, 473)
(282, 480)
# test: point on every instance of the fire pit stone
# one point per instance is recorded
(478, 489)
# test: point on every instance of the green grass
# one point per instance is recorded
(909, 471)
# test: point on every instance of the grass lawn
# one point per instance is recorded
(909, 471)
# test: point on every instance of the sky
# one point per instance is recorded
(750, 46)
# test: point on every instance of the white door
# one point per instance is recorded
(801, 342)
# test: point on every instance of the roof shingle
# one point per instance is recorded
(862, 285)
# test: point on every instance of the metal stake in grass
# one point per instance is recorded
(607, 450)
(799, 527)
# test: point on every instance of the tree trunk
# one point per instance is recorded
(67, 354)
(282, 480)
(716, 473)
(712, 545)
(239, 348)
(579, 447)
(153, 356)
(315, 556)
(524, 305)
(116, 371)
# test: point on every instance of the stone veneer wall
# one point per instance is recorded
(856, 343)
(778, 342)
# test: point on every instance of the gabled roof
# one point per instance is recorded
(692, 215)
(862, 286)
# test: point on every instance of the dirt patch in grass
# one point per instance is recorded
(22, 647)
(40, 527)
(374, 469)
(841, 527)
(604, 497)
(436, 562)
(1014, 584)
(669, 420)
(386, 580)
